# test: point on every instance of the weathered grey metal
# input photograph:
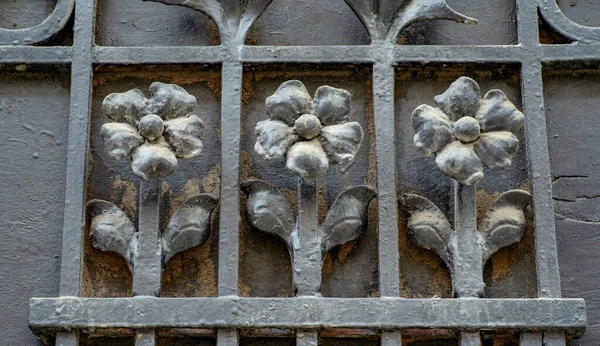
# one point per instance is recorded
(154, 132)
(80, 101)
(234, 18)
(529, 53)
(189, 226)
(310, 133)
(306, 240)
(308, 313)
(464, 249)
(385, 20)
(466, 132)
(556, 18)
(43, 31)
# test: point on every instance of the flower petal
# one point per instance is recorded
(432, 129)
(170, 101)
(307, 159)
(341, 142)
(460, 100)
(120, 139)
(125, 107)
(273, 138)
(496, 149)
(185, 135)
(459, 161)
(290, 101)
(332, 105)
(153, 160)
(497, 113)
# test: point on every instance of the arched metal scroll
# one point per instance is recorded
(566, 27)
(41, 32)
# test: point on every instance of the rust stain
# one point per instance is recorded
(345, 250)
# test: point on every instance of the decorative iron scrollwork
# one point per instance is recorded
(55, 22)
(384, 20)
(233, 18)
(558, 21)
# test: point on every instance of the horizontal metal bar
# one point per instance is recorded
(35, 55)
(157, 55)
(309, 54)
(301, 54)
(570, 52)
(65, 313)
(461, 54)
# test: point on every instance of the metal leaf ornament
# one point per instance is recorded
(502, 225)
(309, 133)
(466, 132)
(155, 131)
(233, 17)
(112, 231)
(385, 19)
(269, 211)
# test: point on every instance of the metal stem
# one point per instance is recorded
(147, 268)
(467, 278)
(306, 255)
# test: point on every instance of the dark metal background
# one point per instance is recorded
(515, 58)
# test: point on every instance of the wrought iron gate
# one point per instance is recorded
(543, 320)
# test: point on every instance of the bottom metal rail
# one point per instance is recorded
(50, 315)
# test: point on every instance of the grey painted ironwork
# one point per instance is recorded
(50, 314)
(309, 313)
(43, 31)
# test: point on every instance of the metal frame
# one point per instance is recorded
(390, 313)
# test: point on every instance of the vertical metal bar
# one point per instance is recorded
(548, 274)
(147, 267)
(74, 213)
(307, 338)
(467, 276)
(470, 339)
(145, 338)
(66, 339)
(307, 252)
(554, 339)
(391, 339)
(531, 339)
(147, 264)
(385, 144)
(231, 107)
(231, 110)
(227, 337)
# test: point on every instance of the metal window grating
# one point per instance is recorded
(389, 313)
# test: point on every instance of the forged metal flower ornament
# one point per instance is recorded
(310, 134)
(466, 132)
(154, 131)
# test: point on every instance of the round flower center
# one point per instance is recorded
(466, 129)
(308, 126)
(151, 126)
